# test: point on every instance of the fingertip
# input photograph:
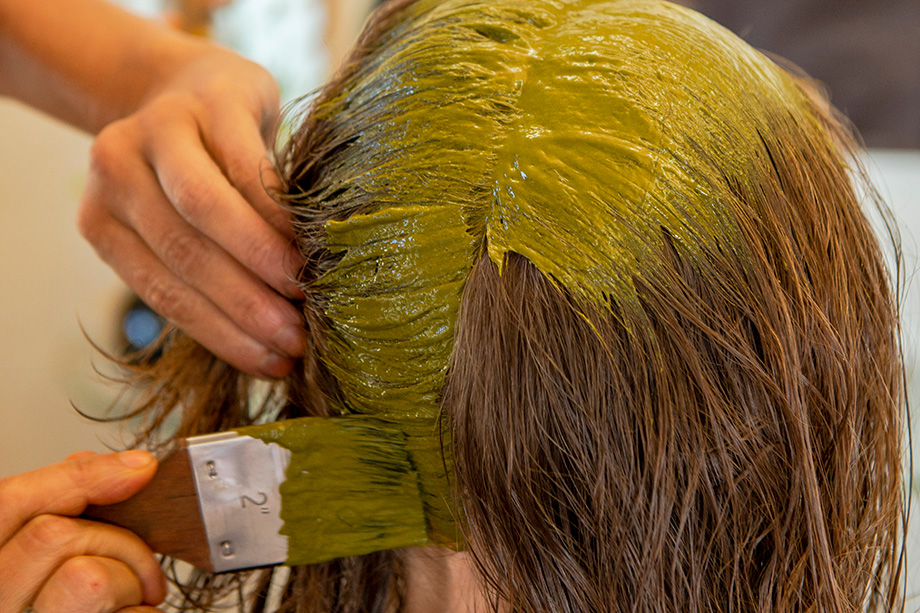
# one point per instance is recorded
(291, 341)
(292, 290)
(136, 459)
(294, 257)
(155, 589)
(289, 285)
(274, 366)
(284, 224)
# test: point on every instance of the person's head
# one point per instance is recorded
(621, 255)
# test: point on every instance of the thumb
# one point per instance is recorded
(66, 488)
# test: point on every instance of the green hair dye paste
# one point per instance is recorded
(579, 134)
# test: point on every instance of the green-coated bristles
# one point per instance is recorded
(351, 487)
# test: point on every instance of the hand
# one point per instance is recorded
(176, 204)
(54, 562)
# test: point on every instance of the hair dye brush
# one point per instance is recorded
(293, 492)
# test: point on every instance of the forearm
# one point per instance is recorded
(86, 62)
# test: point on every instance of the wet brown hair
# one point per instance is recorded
(740, 450)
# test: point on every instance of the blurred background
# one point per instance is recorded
(56, 293)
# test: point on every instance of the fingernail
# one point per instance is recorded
(275, 366)
(291, 341)
(135, 458)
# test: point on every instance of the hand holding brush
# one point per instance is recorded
(291, 492)
(52, 560)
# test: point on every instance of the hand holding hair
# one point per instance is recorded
(176, 200)
(176, 204)
(50, 561)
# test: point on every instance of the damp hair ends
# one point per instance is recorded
(620, 258)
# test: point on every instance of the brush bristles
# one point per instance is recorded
(351, 487)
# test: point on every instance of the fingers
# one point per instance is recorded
(68, 487)
(219, 281)
(80, 454)
(90, 584)
(177, 205)
(194, 184)
(237, 145)
(69, 553)
(48, 557)
(201, 319)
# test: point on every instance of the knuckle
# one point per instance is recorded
(261, 257)
(91, 223)
(85, 581)
(9, 494)
(48, 533)
(193, 197)
(217, 89)
(80, 472)
(251, 313)
(112, 157)
(166, 297)
(166, 108)
(184, 253)
(108, 151)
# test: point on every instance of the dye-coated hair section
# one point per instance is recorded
(630, 246)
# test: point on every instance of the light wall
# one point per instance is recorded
(50, 282)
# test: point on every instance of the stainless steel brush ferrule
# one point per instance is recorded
(238, 480)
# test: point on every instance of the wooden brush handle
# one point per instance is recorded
(165, 514)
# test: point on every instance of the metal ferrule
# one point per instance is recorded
(238, 480)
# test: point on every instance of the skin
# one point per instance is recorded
(439, 579)
(54, 562)
(176, 204)
(176, 200)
